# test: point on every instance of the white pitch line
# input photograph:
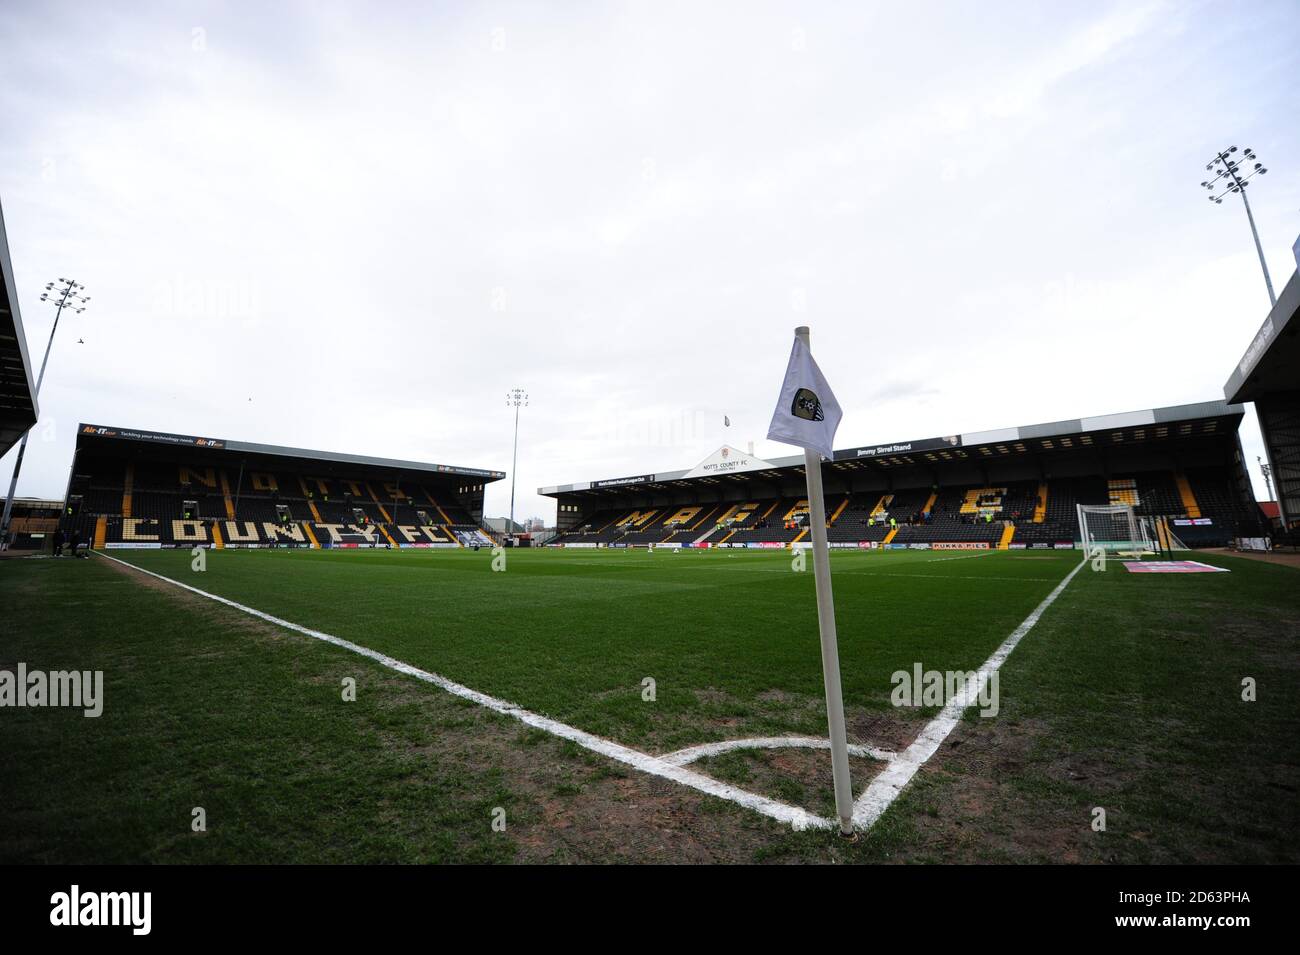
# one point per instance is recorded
(868, 573)
(691, 753)
(654, 765)
(885, 788)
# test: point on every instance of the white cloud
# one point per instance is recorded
(372, 221)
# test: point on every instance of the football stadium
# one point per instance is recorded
(1053, 642)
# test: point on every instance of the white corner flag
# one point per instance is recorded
(807, 413)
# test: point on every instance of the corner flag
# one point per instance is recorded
(807, 413)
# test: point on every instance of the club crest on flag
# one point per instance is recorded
(807, 406)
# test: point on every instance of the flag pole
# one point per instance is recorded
(812, 465)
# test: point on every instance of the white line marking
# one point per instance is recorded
(880, 573)
(870, 573)
(691, 753)
(884, 789)
(654, 765)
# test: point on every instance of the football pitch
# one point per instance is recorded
(1125, 694)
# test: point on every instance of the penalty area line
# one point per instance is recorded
(652, 765)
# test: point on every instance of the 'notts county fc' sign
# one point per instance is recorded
(727, 460)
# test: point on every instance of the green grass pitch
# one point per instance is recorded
(1126, 695)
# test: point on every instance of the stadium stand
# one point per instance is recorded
(1013, 488)
(1267, 375)
(147, 489)
(33, 523)
(18, 406)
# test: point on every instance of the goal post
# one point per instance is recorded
(1116, 530)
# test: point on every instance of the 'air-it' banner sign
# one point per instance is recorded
(158, 437)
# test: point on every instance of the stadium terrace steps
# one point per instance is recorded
(1190, 505)
(1008, 532)
(929, 502)
(707, 534)
(225, 494)
(838, 511)
(437, 507)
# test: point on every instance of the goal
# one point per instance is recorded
(1115, 529)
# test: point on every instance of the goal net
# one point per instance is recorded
(1115, 529)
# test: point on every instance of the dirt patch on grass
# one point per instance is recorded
(971, 809)
(234, 620)
(892, 731)
(795, 775)
(1285, 558)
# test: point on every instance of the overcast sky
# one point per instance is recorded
(354, 227)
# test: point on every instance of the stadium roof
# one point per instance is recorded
(91, 435)
(1076, 434)
(18, 409)
(37, 502)
(1272, 362)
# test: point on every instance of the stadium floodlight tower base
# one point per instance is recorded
(1115, 530)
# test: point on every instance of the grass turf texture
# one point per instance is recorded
(1127, 691)
(730, 638)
